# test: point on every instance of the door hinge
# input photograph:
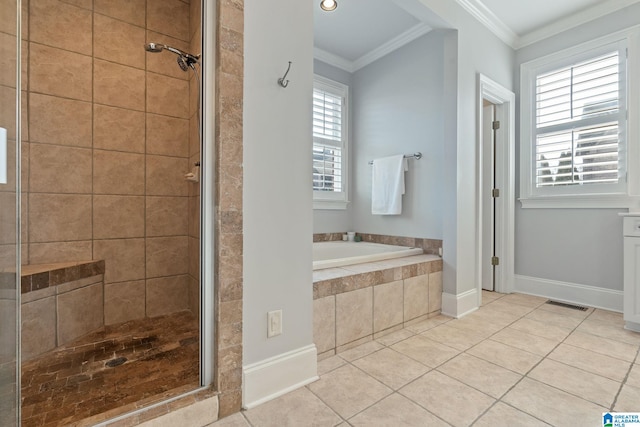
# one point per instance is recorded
(495, 193)
(496, 125)
(495, 260)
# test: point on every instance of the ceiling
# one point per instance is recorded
(360, 31)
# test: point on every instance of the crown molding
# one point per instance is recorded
(482, 13)
(574, 20)
(395, 43)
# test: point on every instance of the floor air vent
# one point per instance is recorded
(565, 305)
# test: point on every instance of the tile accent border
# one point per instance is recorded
(37, 277)
(229, 80)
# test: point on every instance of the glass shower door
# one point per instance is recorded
(9, 212)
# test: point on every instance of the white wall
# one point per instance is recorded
(578, 246)
(397, 109)
(277, 177)
(335, 221)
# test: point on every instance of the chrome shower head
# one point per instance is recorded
(185, 60)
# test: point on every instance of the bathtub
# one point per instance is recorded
(338, 254)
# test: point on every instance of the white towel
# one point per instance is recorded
(387, 185)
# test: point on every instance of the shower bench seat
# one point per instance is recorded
(60, 303)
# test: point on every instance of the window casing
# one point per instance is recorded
(330, 144)
(574, 133)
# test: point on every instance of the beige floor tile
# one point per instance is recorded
(589, 361)
(428, 324)
(460, 339)
(526, 300)
(488, 297)
(591, 387)
(527, 342)
(553, 406)
(541, 329)
(348, 390)
(607, 316)
(508, 307)
(507, 416)
(497, 318)
(395, 411)
(480, 374)
(634, 376)
(361, 351)
(609, 330)
(327, 365)
(556, 319)
(395, 337)
(477, 325)
(300, 407)
(393, 369)
(235, 420)
(425, 351)
(628, 400)
(512, 358)
(613, 348)
(445, 397)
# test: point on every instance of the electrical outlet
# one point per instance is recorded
(274, 323)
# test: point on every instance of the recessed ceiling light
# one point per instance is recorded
(328, 5)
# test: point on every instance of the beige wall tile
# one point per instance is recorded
(118, 217)
(60, 121)
(167, 96)
(118, 85)
(45, 253)
(38, 327)
(195, 14)
(416, 297)
(166, 216)
(80, 312)
(194, 257)
(118, 41)
(168, 136)
(131, 11)
(167, 256)
(354, 315)
(8, 60)
(118, 173)
(194, 217)
(59, 169)
(85, 4)
(387, 305)
(62, 25)
(435, 291)
(167, 295)
(194, 136)
(124, 259)
(118, 129)
(59, 217)
(169, 17)
(7, 17)
(324, 323)
(165, 176)
(165, 63)
(59, 72)
(194, 296)
(8, 110)
(124, 301)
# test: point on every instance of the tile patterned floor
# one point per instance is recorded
(73, 385)
(514, 362)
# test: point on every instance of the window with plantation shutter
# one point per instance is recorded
(574, 125)
(329, 144)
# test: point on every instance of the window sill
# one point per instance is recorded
(332, 205)
(577, 202)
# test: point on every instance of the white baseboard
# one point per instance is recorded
(273, 377)
(459, 305)
(570, 292)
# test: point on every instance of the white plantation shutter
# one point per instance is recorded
(580, 117)
(329, 140)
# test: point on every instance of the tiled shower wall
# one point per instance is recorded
(106, 146)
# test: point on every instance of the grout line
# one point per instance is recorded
(624, 381)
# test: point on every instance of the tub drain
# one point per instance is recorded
(116, 362)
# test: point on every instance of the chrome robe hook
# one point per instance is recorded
(281, 81)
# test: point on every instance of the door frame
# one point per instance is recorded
(504, 101)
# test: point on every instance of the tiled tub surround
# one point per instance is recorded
(60, 303)
(429, 246)
(358, 303)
